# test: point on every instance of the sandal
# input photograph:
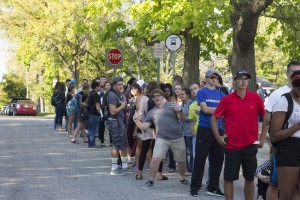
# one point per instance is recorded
(74, 142)
(138, 178)
(164, 178)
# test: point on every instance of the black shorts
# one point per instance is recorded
(245, 157)
(288, 153)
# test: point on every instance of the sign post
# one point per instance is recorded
(114, 57)
(173, 43)
(158, 53)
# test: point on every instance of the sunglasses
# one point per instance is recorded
(213, 77)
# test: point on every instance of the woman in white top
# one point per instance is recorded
(286, 134)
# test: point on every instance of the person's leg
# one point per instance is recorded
(287, 181)
(70, 121)
(172, 163)
(142, 157)
(93, 128)
(228, 189)
(138, 151)
(203, 146)
(249, 189)
(155, 162)
(262, 187)
(216, 158)
(272, 192)
(189, 146)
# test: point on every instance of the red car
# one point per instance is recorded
(24, 107)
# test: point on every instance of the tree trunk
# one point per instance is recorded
(190, 72)
(244, 22)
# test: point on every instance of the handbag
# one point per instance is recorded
(84, 113)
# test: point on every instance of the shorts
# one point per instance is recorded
(288, 153)
(177, 146)
(117, 131)
(245, 157)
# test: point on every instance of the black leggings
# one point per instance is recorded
(145, 148)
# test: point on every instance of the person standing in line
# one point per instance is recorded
(272, 192)
(94, 113)
(194, 111)
(186, 127)
(208, 98)
(165, 117)
(285, 131)
(240, 110)
(117, 127)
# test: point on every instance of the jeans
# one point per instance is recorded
(93, 128)
(59, 114)
(189, 147)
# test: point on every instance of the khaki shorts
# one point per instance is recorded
(162, 146)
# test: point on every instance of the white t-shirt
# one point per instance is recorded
(282, 105)
(275, 96)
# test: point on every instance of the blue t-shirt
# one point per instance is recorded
(212, 99)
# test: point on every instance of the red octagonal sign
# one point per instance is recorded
(114, 56)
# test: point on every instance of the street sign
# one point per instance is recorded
(158, 50)
(173, 42)
(114, 56)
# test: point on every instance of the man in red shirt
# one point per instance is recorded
(240, 110)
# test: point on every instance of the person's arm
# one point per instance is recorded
(206, 109)
(142, 125)
(276, 132)
(97, 107)
(264, 129)
(113, 110)
(215, 129)
(192, 126)
(265, 166)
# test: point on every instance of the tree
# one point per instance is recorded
(244, 20)
(14, 86)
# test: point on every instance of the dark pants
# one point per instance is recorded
(206, 144)
(60, 112)
(172, 163)
(101, 129)
(145, 148)
(189, 148)
(261, 186)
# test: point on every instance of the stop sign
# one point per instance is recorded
(114, 56)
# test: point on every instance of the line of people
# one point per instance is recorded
(146, 121)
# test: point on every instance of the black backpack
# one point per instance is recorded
(287, 116)
(150, 106)
(104, 105)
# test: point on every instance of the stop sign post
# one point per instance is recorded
(114, 58)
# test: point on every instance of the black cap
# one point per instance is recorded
(117, 79)
(241, 73)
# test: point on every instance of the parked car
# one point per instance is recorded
(3, 109)
(24, 107)
(12, 104)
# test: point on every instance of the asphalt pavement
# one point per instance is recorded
(38, 163)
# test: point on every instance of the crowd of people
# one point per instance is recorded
(151, 122)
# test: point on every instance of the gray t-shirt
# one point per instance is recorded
(166, 122)
(112, 98)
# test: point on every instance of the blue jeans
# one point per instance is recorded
(93, 129)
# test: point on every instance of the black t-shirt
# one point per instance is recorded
(69, 97)
(93, 99)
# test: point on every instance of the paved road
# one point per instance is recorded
(37, 163)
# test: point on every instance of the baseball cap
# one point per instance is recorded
(117, 79)
(242, 73)
(72, 82)
(141, 83)
(210, 72)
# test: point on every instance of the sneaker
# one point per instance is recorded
(194, 193)
(128, 169)
(171, 170)
(117, 172)
(185, 182)
(217, 193)
(147, 186)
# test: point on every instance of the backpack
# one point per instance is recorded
(105, 114)
(73, 105)
(55, 100)
(150, 106)
(287, 116)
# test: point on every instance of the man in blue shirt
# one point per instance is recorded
(208, 99)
